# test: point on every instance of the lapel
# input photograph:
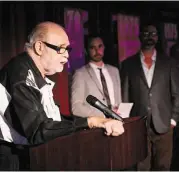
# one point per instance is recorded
(94, 77)
(157, 70)
(114, 81)
(140, 70)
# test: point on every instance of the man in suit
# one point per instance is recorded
(150, 80)
(95, 78)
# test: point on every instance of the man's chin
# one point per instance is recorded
(52, 72)
(97, 59)
(59, 70)
(149, 46)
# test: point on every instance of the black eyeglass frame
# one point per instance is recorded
(152, 33)
(57, 48)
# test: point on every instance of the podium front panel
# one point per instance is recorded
(93, 150)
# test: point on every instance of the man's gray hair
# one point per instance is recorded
(39, 33)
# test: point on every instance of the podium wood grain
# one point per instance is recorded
(92, 150)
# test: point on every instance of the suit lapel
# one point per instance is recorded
(94, 77)
(157, 69)
(140, 70)
(115, 85)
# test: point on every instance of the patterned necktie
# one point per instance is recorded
(148, 61)
(105, 89)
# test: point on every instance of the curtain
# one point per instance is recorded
(128, 31)
(12, 30)
(74, 21)
(170, 36)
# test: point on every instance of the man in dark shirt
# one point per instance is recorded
(28, 114)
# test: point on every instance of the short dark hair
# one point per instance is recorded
(146, 24)
(91, 37)
(87, 41)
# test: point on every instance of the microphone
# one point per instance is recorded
(93, 101)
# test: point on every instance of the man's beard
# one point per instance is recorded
(97, 59)
(149, 43)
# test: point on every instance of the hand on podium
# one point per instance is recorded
(112, 127)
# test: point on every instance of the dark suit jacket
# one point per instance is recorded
(161, 100)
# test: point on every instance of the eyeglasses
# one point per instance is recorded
(59, 50)
(146, 34)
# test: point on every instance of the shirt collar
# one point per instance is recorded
(38, 77)
(49, 82)
(154, 56)
(95, 66)
(41, 81)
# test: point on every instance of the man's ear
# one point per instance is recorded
(38, 48)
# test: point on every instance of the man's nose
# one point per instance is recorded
(97, 50)
(150, 35)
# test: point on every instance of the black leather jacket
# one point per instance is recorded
(25, 112)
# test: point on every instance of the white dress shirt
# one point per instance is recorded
(108, 79)
(149, 73)
(50, 108)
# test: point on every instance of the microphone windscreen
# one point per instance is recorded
(91, 99)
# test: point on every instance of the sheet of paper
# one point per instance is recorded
(124, 109)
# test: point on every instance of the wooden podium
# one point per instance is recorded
(92, 150)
